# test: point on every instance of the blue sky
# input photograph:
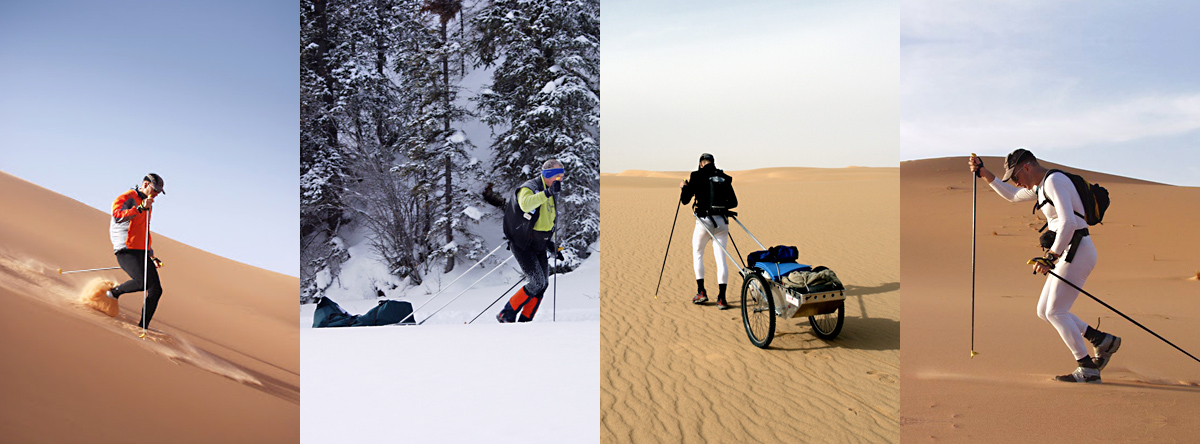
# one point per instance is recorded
(1109, 86)
(94, 95)
(758, 83)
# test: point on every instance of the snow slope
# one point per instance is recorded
(449, 382)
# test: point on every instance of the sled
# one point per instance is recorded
(766, 297)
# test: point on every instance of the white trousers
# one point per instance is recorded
(1054, 306)
(700, 238)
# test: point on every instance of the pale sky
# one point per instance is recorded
(1109, 86)
(94, 95)
(758, 83)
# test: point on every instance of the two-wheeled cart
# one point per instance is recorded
(765, 294)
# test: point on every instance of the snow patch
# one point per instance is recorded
(323, 278)
(473, 213)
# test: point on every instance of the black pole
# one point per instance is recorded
(554, 298)
(1122, 314)
(502, 295)
(672, 236)
(974, 212)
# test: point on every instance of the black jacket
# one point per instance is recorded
(697, 187)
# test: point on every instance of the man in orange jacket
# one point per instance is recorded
(133, 246)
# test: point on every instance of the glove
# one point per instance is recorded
(558, 255)
(157, 262)
(554, 189)
(1046, 261)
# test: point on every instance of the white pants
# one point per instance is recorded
(700, 238)
(1055, 304)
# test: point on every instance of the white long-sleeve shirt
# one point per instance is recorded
(1061, 192)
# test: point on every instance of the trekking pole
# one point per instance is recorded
(497, 267)
(1119, 312)
(60, 271)
(502, 295)
(464, 273)
(974, 211)
(146, 275)
(672, 236)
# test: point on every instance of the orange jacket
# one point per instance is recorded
(127, 228)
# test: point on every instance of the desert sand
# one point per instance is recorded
(221, 366)
(672, 371)
(1148, 262)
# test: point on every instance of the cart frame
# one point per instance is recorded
(764, 298)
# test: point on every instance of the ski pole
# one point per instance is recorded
(497, 267)
(502, 295)
(672, 236)
(1119, 312)
(464, 273)
(554, 297)
(146, 274)
(974, 211)
(60, 271)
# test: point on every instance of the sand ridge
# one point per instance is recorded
(1146, 255)
(221, 363)
(675, 372)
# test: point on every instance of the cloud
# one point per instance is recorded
(1054, 128)
(991, 74)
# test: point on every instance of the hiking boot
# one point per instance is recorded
(700, 298)
(721, 304)
(1081, 374)
(1105, 349)
(500, 318)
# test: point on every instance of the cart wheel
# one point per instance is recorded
(758, 310)
(827, 326)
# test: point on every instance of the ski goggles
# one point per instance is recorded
(551, 173)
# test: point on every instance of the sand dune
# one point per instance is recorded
(222, 364)
(675, 372)
(1147, 252)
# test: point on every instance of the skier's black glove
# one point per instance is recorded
(558, 255)
(554, 189)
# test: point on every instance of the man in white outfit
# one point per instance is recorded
(1071, 252)
(698, 185)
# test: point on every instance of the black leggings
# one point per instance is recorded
(534, 263)
(133, 262)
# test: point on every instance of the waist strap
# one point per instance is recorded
(1075, 240)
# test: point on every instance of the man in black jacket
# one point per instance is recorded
(714, 197)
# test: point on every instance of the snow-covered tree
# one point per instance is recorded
(435, 152)
(322, 166)
(545, 100)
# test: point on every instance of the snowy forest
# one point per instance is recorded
(419, 116)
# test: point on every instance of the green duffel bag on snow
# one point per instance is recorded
(818, 279)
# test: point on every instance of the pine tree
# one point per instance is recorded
(322, 166)
(545, 94)
(435, 152)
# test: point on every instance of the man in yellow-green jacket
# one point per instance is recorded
(529, 226)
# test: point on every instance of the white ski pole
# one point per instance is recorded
(60, 271)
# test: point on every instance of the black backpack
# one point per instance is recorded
(518, 225)
(720, 193)
(1094, 197)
